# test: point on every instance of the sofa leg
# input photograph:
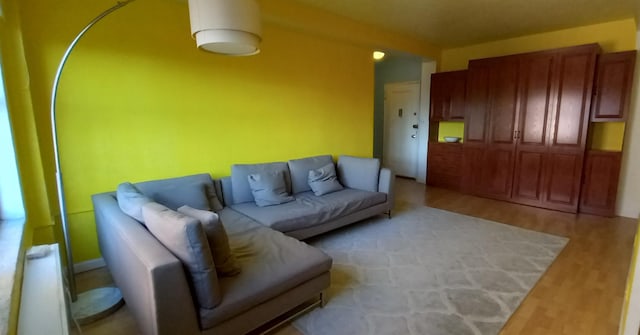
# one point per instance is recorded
(323, 300)
(388, 214)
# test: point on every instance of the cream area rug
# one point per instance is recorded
(429, 272)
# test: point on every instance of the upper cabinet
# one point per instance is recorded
(448, 95)
(612, 90)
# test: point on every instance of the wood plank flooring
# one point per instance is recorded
(581, 293)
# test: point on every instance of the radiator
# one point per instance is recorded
(43, 307)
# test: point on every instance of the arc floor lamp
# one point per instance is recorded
(230, 27)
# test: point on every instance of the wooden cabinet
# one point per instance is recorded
(526, 120)
(444, 165)
(600, 182)
(447, 95)
(526, 125)
(612, 90)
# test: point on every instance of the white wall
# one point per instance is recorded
(628, 203)
(423, 119)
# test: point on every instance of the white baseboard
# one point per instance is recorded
(89, 265)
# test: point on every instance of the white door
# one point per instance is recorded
(400, 149)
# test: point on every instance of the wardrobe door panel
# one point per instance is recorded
(562, 188)
(437, 97)
(527, 186)
(575, 82)
(476, 104)
(536, 73)
(535, 101)
(570, 117)
(457, 95)
(503, 95)
(600, 182)
(475, 121)
(497, 172)
(472, 157)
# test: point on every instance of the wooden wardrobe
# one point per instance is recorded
(526, 122)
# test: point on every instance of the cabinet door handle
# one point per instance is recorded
(516, 134)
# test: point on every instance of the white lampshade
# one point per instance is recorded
(230, 27)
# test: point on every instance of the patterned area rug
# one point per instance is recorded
(428, 271)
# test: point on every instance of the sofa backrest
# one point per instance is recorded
(359, 173)
(353, 172)
(197, 191)
(299, 169)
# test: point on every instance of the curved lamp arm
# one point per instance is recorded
(54, 130)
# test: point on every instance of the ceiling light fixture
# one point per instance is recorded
(378, 55)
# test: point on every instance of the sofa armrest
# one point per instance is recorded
(386, 184)
(152, 280)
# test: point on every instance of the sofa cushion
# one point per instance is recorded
(309, 210)
(359, 173)
(184, 236)
(272, 264)
(223, 258)
(131, 200)
(196, 191)
(324, 180)
(299, 169)
(240, 188)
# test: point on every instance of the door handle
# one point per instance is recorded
(413, 136)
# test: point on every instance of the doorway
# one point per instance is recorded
(401, 123)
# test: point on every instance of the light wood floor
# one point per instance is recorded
(581, 293)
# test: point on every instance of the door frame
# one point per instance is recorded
(428, 68)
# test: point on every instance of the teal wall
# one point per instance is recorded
(390, 70)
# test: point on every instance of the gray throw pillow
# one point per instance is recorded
(240, 188)
(224, 260)
(184, 236)
(269, 188)
(131, 200)
(324, 180)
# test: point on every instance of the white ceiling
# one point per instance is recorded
(452, 23)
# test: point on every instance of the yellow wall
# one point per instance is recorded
(138, 101)
(606, 136)
(612, 36)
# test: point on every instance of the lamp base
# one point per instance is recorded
(96, 304)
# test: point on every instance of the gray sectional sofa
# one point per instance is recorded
(278, 271)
